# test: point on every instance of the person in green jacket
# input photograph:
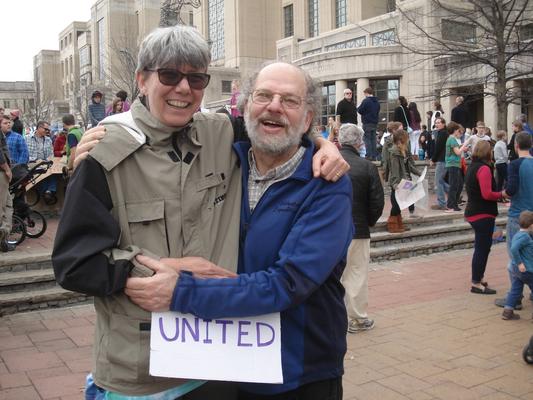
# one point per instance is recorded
(73, 138)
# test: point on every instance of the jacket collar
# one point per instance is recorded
(351, 149)
(303, 172)
(156, 132)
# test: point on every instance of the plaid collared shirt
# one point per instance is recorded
(39, 148)
(257, 184)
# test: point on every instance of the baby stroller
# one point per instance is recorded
(26, 222)
(527, 353)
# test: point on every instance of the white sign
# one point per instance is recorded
(224, 349)
(409, 192)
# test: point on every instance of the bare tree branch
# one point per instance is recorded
(458, 35)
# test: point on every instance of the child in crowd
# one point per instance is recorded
(522, 253)
(423, 143)
(501, 158)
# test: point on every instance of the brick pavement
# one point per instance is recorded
(432, 340)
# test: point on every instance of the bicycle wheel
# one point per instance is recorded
(32, 197)
(18, 231)
(35, 224)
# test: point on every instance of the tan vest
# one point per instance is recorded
(171, 208)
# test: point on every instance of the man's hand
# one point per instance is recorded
(431, 163)
(328, 162)
(200, 267)
(153, 293)
(89, 139)
(521, 267)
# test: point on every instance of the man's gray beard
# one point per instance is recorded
(275, 144)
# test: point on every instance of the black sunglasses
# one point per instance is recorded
(46, 129)
(171, 77)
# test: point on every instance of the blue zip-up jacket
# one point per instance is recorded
(519, 185)
(522, 250)
(369, 110)
(292, 255)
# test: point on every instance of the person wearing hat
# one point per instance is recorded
(96, 109)
(17, 123)
(481, 134)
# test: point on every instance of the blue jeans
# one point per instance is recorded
(518, 279)
(370, 140)
(510, 230)
(441, 186)
(455, 178)
(49, 184)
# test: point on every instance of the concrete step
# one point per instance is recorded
(14, 302)
(437, 231)
(423, 247)
(432, 220)
(16, 262)
(27, 280)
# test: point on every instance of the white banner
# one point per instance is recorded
(409, 192)
(224, 349)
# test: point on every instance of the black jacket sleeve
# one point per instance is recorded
(376, 198)
(87, 229)
(440, 146)
(239, 130)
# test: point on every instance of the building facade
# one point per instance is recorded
(18, 95)
(242, 35)
(361, 43)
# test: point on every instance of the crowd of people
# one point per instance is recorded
(20, 150)
(490, 167)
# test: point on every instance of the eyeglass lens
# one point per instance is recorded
(172, 77)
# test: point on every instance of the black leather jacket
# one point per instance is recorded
(368, 199)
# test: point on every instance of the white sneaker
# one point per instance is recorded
(355, 326)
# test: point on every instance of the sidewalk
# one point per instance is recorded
(433, 340)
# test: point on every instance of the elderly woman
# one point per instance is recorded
(164, 180)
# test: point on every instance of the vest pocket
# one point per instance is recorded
(128, 349)
(147, 225)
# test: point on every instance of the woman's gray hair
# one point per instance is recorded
(312, 99)
(173, 46)
(351, 134)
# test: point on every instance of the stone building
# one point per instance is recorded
(353, 43)
(18, 95)
(49, 93)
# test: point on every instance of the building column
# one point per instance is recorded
(362, 84)
(515, 108)
(447, 101)
(490, 112)
(339, 90)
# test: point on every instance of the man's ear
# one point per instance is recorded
(308, 119)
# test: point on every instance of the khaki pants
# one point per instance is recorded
(6, 206)
(355, 279)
